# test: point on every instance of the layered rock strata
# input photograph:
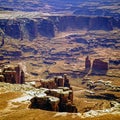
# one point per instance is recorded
(58, 96)
(12, 74)
(99, 67)
(48, 26)
(60, 99)
(54, 83)
(100, 85)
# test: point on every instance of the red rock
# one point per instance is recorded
(87, 63)
(13, 74)
(66, 81)
(99, 67)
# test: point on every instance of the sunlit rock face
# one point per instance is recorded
(58, 81)
(12, 74)
(58, 96)
(60, 99)
(48, 26)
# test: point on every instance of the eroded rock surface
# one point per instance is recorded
(12, 74)
(48, 26)
(59, 96)
(58, 81)
(99, 67)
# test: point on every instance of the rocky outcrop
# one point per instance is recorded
(48, 26)
(100, 85)
(99, 67)
(24, 28)
(87, 63)
(55, 83)
(12, 29)
(12, 74)
(58, 95)
(60, 99)
(102, 95)
(64, 23)
(45, 103)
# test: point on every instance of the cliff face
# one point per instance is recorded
(81, 22)
(48, 26)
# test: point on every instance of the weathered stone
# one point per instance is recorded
(101, 95)
(59, 99)
(46, 103)
(13, 74)
(50, 84)
(99, 67)
(71, 108)
(59, 81)
(87, 63)
(66, 81)
(10, 76)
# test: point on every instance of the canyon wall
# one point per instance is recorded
(48, 26)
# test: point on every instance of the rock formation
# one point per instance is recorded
(100, 85)
(60, 99)
(58, 95)
(12, 74)
(99, 67)
(102, 95)
(48, 26)
(55, 83)
(87, 64)
(45, 103)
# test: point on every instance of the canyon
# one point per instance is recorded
(49, 26)
(59, 59)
